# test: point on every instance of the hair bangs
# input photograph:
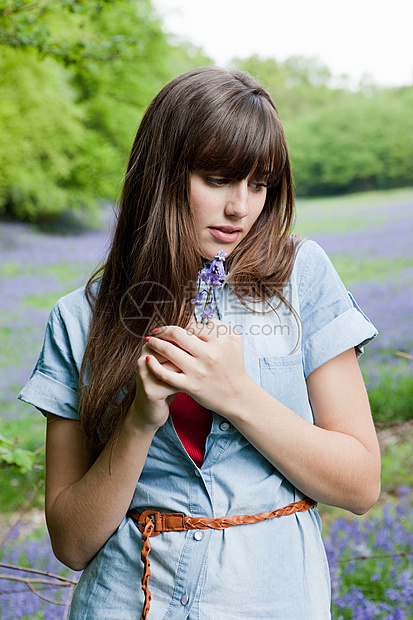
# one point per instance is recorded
(247, 140)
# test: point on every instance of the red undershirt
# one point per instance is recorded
(193, 423)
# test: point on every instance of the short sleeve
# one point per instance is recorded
(332, 322)
(53, 385)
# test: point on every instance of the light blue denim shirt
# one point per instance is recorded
(272, 570)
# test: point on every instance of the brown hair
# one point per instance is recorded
(207, 119)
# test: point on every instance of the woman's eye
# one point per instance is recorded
(216, 181)
(258, 187)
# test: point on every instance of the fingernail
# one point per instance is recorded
(147, 338)
(155, 330)
(148, 357)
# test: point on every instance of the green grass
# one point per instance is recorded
(65, 272)
(346, 213)
(10, 270)
(379, 269)
(392, 401)
(397, 468)
(45, 302)
(5, 335)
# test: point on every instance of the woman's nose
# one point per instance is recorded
(237, 202)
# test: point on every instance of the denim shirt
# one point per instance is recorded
(275, 569)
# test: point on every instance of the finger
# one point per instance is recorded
(165, 375)
(153, 387)
(160, 358)
(179, 337)
(143, 370)
(173, 353)
(171, 366)
(145, 351)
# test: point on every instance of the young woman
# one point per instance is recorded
(152, 410)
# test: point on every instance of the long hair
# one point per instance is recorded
(207, 119)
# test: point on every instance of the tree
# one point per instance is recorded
(41, 134)
(340, 140)
(364, 143)
(297, 84)
(67, 118)
(31, 24)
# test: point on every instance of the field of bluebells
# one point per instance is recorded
(370, 239)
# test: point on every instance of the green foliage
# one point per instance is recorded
(114, 95)
(66, 117)
(22, 473)
(19, 459)
(29, 24)
(40, 135)
(17, 488)
(363, 143)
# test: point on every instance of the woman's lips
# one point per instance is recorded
(227, 235)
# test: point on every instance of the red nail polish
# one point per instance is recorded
(147, 338)
(148, 357)
(155, 330)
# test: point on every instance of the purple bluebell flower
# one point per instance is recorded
(214, 276)
(378, 548)
(207, 313)
(198, 299)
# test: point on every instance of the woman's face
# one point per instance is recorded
(224, 210)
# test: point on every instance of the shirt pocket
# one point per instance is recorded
(283, 378)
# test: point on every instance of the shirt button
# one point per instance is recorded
(184, 599)
(224, 426)
(197, 473)
(198, 535)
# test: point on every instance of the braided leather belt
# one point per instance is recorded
(152, 522)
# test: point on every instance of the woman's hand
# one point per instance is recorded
(335, 461)
(150, 408)
(208, 360)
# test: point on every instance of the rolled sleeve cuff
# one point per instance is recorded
(49, 395)
(348, 330)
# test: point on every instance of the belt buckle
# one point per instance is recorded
(155, 517)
